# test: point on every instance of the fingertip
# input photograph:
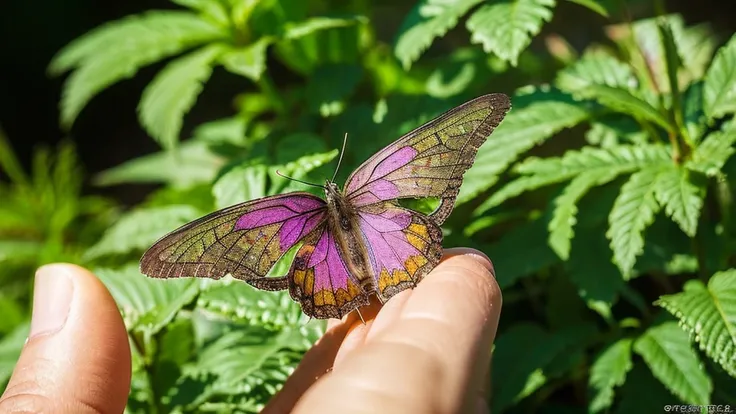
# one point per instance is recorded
(473, 254)
(77, 357)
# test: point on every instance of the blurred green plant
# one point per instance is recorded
(613, 242)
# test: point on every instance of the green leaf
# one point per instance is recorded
(299, 169)
(719, 91)
(243, 183)
(615, 129)
(681, 198)
(173, 92)
(330, 86)
(304, 28)
(711, 155)
(140, 228)
(189, 164)
(709, 314)
(10, 347)
(505, 28)
(116, 50)
(631, 214)
(642, 393)
(608, 372)
(511, 262)
(595, 67)
(563, 217)
(19, 251)
(694, 117)
(674, 63)
(428, 20)
(241, 11)
(595, 5)
(522, 376)
(667, 351)
(147, 304)
(248, 61)
(621, 100)
(540, 172)
(211, 9)
(522, 129)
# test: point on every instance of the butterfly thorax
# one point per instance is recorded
(342, 221)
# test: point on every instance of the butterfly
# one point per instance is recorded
(355, 242)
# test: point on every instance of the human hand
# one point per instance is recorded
(427, 351)
(77, 358)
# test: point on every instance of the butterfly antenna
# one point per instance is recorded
(299, 181)
(339, 161)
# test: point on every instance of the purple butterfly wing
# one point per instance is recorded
(320, 280)
(402, 245)
(429, 161)
(244, 240)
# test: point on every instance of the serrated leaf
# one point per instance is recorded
(140, 228)
(522, 129)
(173, 92)
(242, 183)
(506, 28)
(589, 268)
(428, 20)
(631, 214)
(117, 50)
(189, 164)
(719, 91)
(709, 315)
(595, 67)
(241, 11)
(681, 198)
(608, 372)
(10, 347)
(621, 100)
(563, 216)
(595, 5)
(642, 393)
(615, 129)
(330, 86)
(248, 61)
(692, 108)
(539, 172)
(147, 304)
(222, 131)
(673, 62)
(667, 351)
(711, 155)
(297, 30)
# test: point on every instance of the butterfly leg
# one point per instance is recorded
(270, 283)
(360, 315)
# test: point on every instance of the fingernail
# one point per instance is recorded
(52, 298)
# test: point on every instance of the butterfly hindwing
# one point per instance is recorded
(244, 240)
(320, 280)
(402, 245)
(430, 160)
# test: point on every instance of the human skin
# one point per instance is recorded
(427, 350)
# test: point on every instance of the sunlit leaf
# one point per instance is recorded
(248, 61)
(709, 315)
(681, 198)
(719, 91)
(173, 92)
(608, 372)
(506, 28)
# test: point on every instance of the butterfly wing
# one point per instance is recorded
(320, 280)
(402, 246)
(244, 240)
(430, 160)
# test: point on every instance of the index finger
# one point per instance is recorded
(429, 357)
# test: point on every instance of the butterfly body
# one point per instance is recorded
(356, 242)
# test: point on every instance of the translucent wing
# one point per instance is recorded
(320, 280)
(402, 245)
(430, 160)
(244, 240)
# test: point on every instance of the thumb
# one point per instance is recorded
(77, 358)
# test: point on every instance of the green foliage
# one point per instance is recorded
(609, 183)
(669, 354)
(709, 314)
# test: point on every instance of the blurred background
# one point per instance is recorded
(605, 198)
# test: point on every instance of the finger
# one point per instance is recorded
(77, 358)
(433, 357)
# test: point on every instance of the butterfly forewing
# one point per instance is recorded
(244, 240)
(430, 160)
